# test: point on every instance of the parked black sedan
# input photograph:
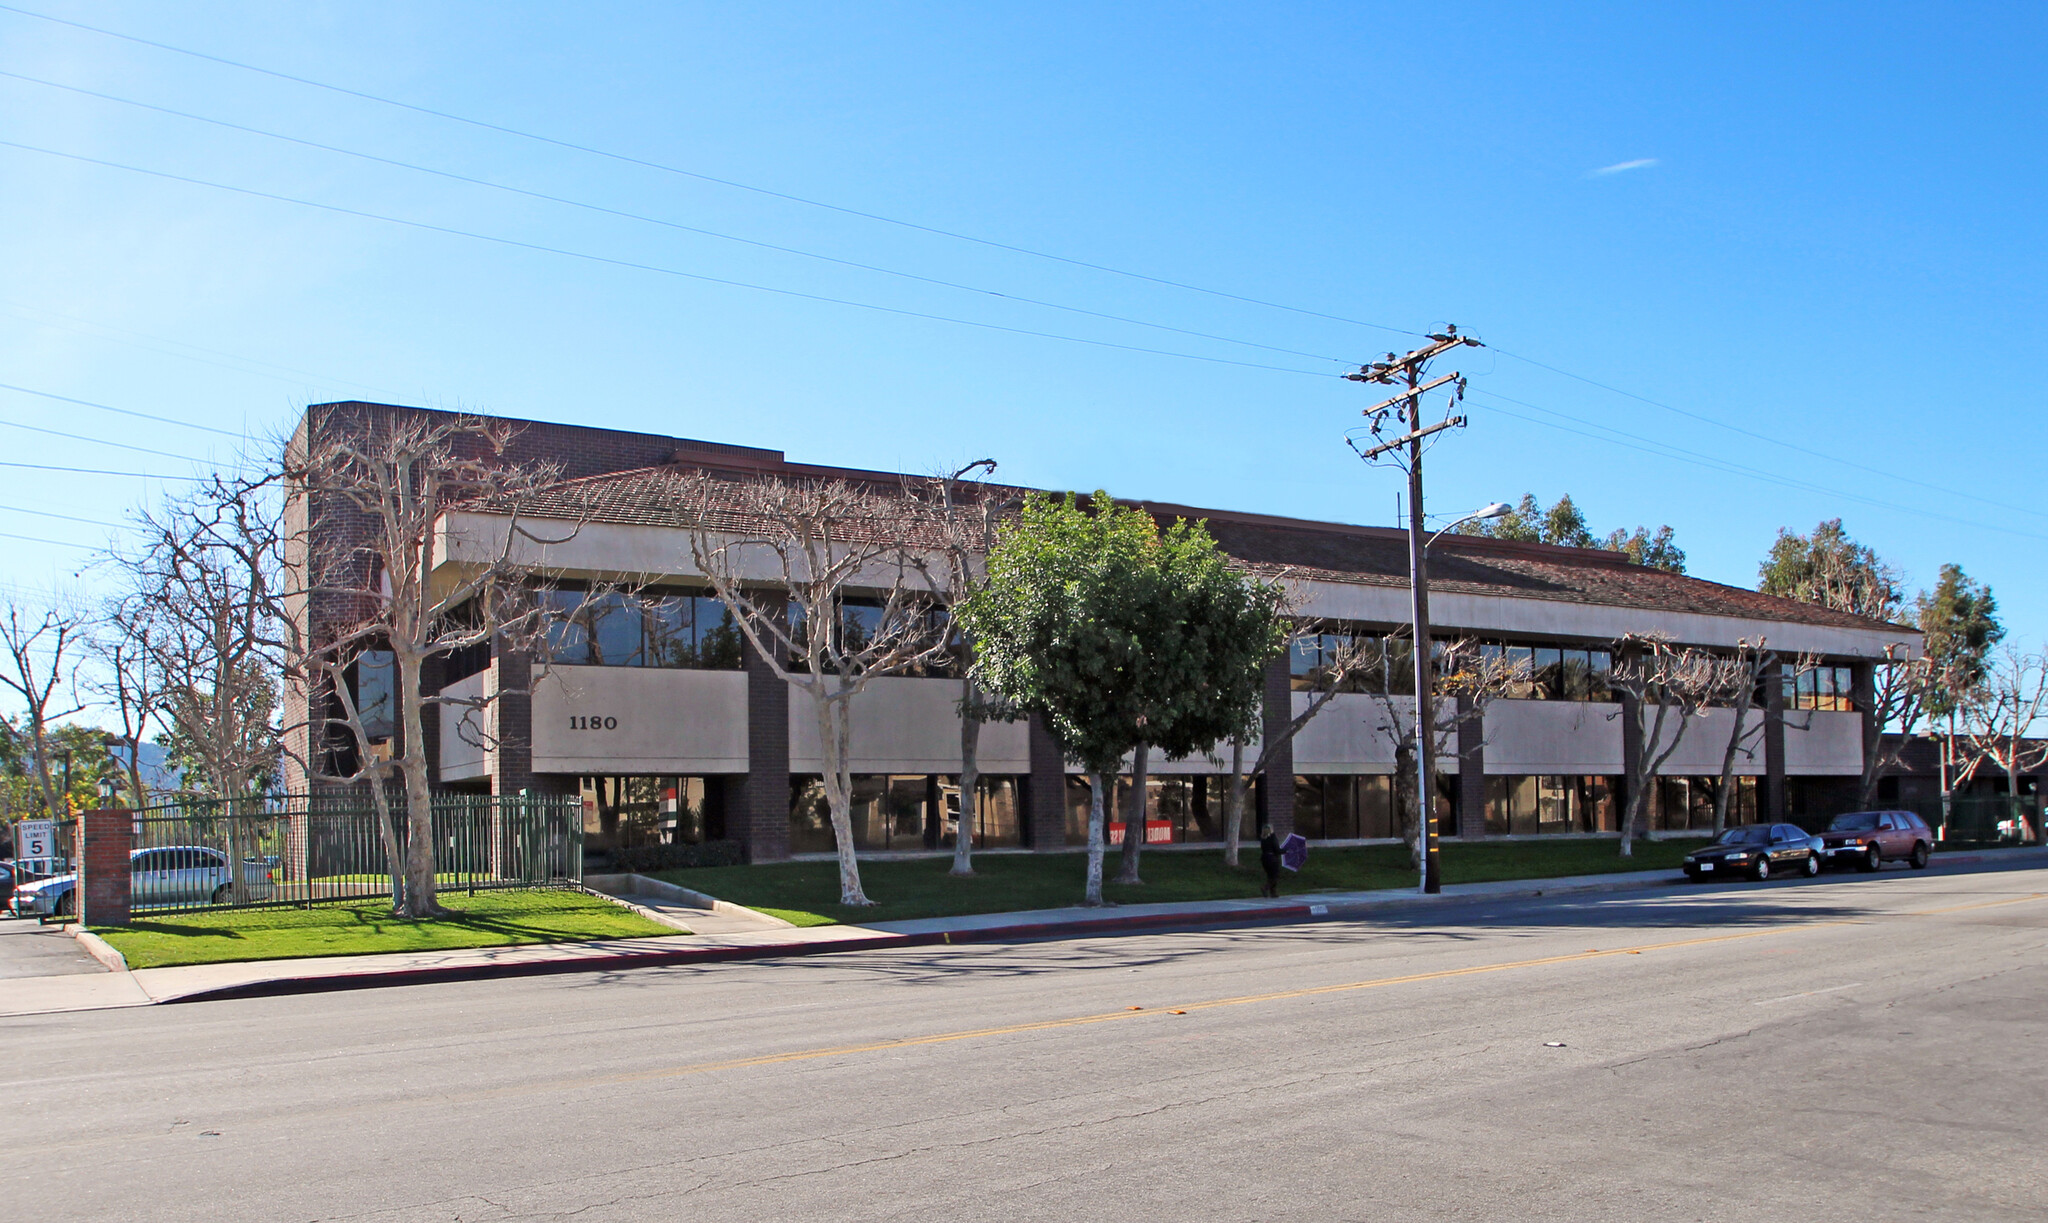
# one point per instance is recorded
(1757, 850)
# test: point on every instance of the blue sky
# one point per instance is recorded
(1827, 254)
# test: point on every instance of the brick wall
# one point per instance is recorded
(1045, 793)
(1470, 818)
(104, 840)
(1278, 809)
(758, 814)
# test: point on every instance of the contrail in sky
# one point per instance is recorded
(1640, 163)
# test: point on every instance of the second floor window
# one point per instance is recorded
(648, 629)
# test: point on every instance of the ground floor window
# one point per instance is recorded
(1532, 804)
(633, 812)
(905, 812)
(1183, 810)
(1338, 807)
(1681, 804)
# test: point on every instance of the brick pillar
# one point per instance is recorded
(104, 840)
(511, 763)
(1278, 809)
(1471, 813)
(1045, 793)
(1632, 756)
(1774, 743)
(1863, 690)
(758, 816)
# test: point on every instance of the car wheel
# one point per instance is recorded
(220, 895)
(1919, 858)
(1762, 870)
(1812, 866)
(1873, 859)
(65, 905)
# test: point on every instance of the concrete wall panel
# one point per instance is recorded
(648, 720)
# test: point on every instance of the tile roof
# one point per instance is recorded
(1334, 552)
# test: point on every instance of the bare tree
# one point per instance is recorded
(1467, 679)
(966, 514)
(834, 586)
(2003, 710)
(1740, 676)
(1664, 687)
(1899, 690)
(1341, 656)
(397, 481)
(129, 683)
(41, 669)
(203, 610)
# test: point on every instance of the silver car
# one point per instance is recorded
(173, 876)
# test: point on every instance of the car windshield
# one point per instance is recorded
(1745, 836)
(1855, 821)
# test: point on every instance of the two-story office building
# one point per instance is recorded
(661, 715)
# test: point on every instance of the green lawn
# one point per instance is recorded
(487, 919)
(807, 893)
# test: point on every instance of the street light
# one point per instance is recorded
(1425, 705)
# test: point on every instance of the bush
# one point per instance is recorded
(644, 859)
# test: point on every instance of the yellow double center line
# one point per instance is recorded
(1046, 1025)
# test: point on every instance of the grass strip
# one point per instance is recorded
(487, 919)
(807, 893)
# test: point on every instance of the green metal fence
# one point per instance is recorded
(313, 849)
(1993, 819)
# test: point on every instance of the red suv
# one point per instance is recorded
(1869, 839)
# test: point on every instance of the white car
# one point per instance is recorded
(174, 876)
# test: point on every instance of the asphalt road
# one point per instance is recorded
(1858, 1048)
(30, 949)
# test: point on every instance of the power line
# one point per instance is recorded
(92, 522)
(86, 326)
(87, 403)
(723, 182)
(1764, 437)
(651, 267)
(1664, 450)
(61, 543)
(675, 225)
(99, 441)
(97, 471)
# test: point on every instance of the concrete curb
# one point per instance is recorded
(101, 950)
(660, 919)
(1308, 907)
(643, 885)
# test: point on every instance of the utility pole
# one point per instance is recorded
(1406, 409)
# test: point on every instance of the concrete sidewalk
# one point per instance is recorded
(202, 982)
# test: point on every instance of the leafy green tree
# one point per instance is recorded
(1564, 525)
(1832, 570)
(1959, 619)
(1121, 637)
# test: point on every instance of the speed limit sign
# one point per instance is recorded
(35, 839)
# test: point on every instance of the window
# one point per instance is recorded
(1540, 804)
(1555, 673)
(376, 694)
(1832, 689)
(653, 629)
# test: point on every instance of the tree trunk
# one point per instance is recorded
(1724, 792)
(1095, 838)
(420, 897)
(838, 778)
(970, 779)
(1134, 820)
(1408, 800)
(1233, 805)
(387, 832)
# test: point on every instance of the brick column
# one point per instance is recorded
(1632, 756)
(1471, 813)
(1045, 793)
(1863, 690)
(104, 840)
(1278, 809)
(758, 816)
(511, 764)
(1773, 797)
